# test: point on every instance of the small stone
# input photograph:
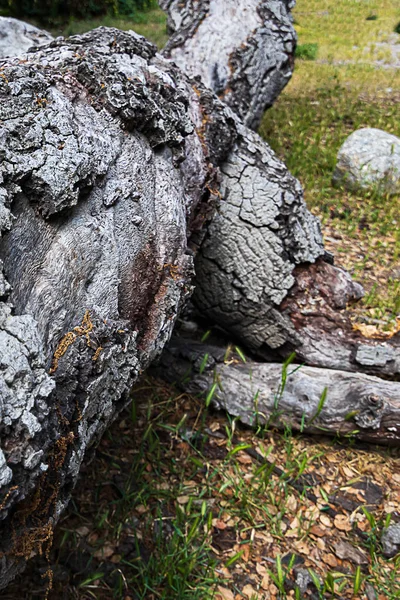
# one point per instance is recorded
(391, 540)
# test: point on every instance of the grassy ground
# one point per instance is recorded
(347, 29)
(174, 507)
(151, 23)
(326, 100)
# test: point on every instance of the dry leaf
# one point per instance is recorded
(348, 472)
(318, 531)
(224, 594)
(249, 591)
(265, 583)
(292, 533)
(325, 520)
(183, 500)
(330, 560)
(218, 524)
(320, 544)
(244, 459)
(246, 552)
(302, 547)
(342, 523)
(346, 551)
(105, 552)
(82, 531)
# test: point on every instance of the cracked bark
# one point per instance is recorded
(108, 171)
(262, 272)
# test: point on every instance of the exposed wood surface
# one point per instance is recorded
(356, 405)
(242, 50)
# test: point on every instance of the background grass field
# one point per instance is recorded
(173, 507)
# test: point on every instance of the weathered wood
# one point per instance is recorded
(262, 273)
(255, 273)
(17, 37)
(96, 213)
(110, 171)
(242, 50)
(356, 405)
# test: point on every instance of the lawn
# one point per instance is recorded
(181, 502)
(341, 90)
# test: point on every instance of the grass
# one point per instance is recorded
(324, 102)
(343, 29)
(151, 23)
(182, 511)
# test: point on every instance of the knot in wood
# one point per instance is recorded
(371, 413)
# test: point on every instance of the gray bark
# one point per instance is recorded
(242, 50)
(255, 275)
(17, 37)
(263, 276)
(357, 405)
(96, 213)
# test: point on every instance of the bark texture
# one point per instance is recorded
(261, 231)
(96, 208)
(242, 50)
(356, 405)
(17, 37)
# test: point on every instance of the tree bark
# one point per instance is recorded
(242, 50)
(17, 37)
(108, 169)
(356, 406)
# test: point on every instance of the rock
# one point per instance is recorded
(390, 540)
(18, 37)
(369, 160)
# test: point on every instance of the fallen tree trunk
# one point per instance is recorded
(110, 160)
(323, 401)
(95, 218)
(262, 273)
(255, 272)
(242, 50)
(113, 163)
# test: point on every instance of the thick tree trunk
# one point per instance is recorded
(307, 399)
(242, 50)
(96, 211)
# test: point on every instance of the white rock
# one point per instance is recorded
(369, 160)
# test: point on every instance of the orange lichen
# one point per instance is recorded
(83, 329)
(61, 349)
(6, 497)
(97, 353)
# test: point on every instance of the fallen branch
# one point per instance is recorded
(307, 399)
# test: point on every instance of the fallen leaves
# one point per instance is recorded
(249, 520)
(342, 522)
(224, 593)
